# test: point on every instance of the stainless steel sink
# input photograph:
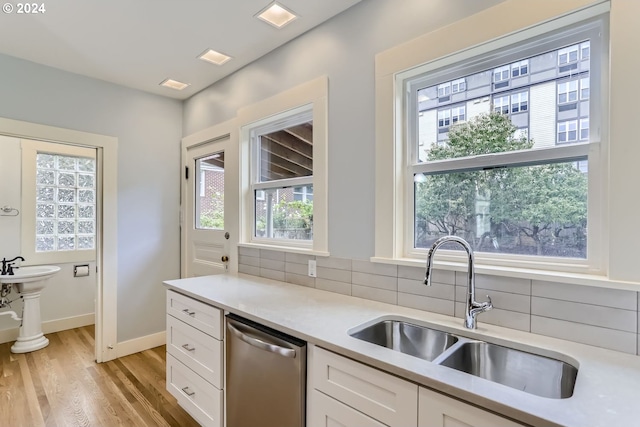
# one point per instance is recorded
(524, 371)
(404, 337)
(531, 373)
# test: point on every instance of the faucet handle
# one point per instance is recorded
(487, 305)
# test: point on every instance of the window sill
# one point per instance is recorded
(281, 248)
(520, 273)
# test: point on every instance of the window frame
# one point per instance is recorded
(391, 231)
(30, 149)
(308, 97)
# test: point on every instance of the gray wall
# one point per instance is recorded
(148, 130)
(343, 49)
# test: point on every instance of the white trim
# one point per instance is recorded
(106, 318)
(137, 345)
(429, 52)
(314, 92)
(231, 224)
(52, 326)
(289, 249)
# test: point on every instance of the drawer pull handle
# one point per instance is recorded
(188, 392)
(190, 313)
(186, 347)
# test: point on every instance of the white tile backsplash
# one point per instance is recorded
(590, 315)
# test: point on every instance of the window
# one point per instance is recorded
(585, 50)
(520, 68)
(59, 202)
(567, 92)
(519, 102)
(444, 90)
(283, 142)
(457, 114)
(444, 118)
(459, 85)
(584, 88)
(514, 185)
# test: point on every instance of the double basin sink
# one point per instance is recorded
(529, 372)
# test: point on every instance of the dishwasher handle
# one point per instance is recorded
(255, 342)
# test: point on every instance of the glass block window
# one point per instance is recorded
(65, 203)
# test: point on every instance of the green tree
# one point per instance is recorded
(537, 202)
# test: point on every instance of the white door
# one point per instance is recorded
(207, 248)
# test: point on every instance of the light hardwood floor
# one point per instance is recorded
(61, 385)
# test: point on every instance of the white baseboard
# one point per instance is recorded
(137, 345)
(51, 326)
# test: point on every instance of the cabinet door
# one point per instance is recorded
(201, 316)
(382, 396)
(325, 411)
(438, 410)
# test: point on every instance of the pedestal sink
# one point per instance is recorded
(29, 282)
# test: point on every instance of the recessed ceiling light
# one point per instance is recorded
(214, 57)
(276, 15)
(174, 84)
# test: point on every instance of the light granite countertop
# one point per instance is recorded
(607, 389)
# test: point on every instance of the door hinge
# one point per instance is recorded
(186, 172)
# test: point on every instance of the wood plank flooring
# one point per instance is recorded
(61, 385)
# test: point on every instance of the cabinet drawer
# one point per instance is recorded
(197, 350)
(325, 411)
(202, 400)
(382, 396)
(197, 314)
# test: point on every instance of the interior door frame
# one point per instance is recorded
(228, 129)
(106, 320)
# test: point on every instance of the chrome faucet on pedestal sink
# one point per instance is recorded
(472, 307)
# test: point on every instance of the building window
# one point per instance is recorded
(567, 131)
(444, 90)
(519, 102)
(567, 91)
(584, 129)
(477, 180)
(520, 68)
(501, 74)
(457, 114)
(303, 194)
(585, 50)
(568, 55)
(501, 104)
(584, 88)
(459, 85)
(444, 118)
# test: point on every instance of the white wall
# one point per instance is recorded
(148, 131)
(343, 49)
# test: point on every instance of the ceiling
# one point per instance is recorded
(140, 43)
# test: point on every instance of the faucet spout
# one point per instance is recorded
(472, 307)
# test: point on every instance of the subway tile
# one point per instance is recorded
(417, 273)
(436, 290)
(596, 315)
(300, 279)
(498, 317)
(254, 252)
(298, 258)
(272, 274)
(585, 334)
(249, 269)
(249, 260)
(638, 313)
(334, 274)
(274, 255)
(638, 344)
(333, 286)
(271, 264)
(363, 266)
(497, 283)
(299, 269)
(333, 262)
(502, 300)
(616, 298)
(375, 294)
(375, 281)
(434, 305)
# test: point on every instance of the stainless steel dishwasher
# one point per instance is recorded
(266, 376)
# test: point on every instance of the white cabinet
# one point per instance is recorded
(195, 354)
(438, 410)
(361, 392)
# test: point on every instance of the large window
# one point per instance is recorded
(514, 185)
(59, 202)
(284, 170)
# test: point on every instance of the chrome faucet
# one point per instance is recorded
(472, 307)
